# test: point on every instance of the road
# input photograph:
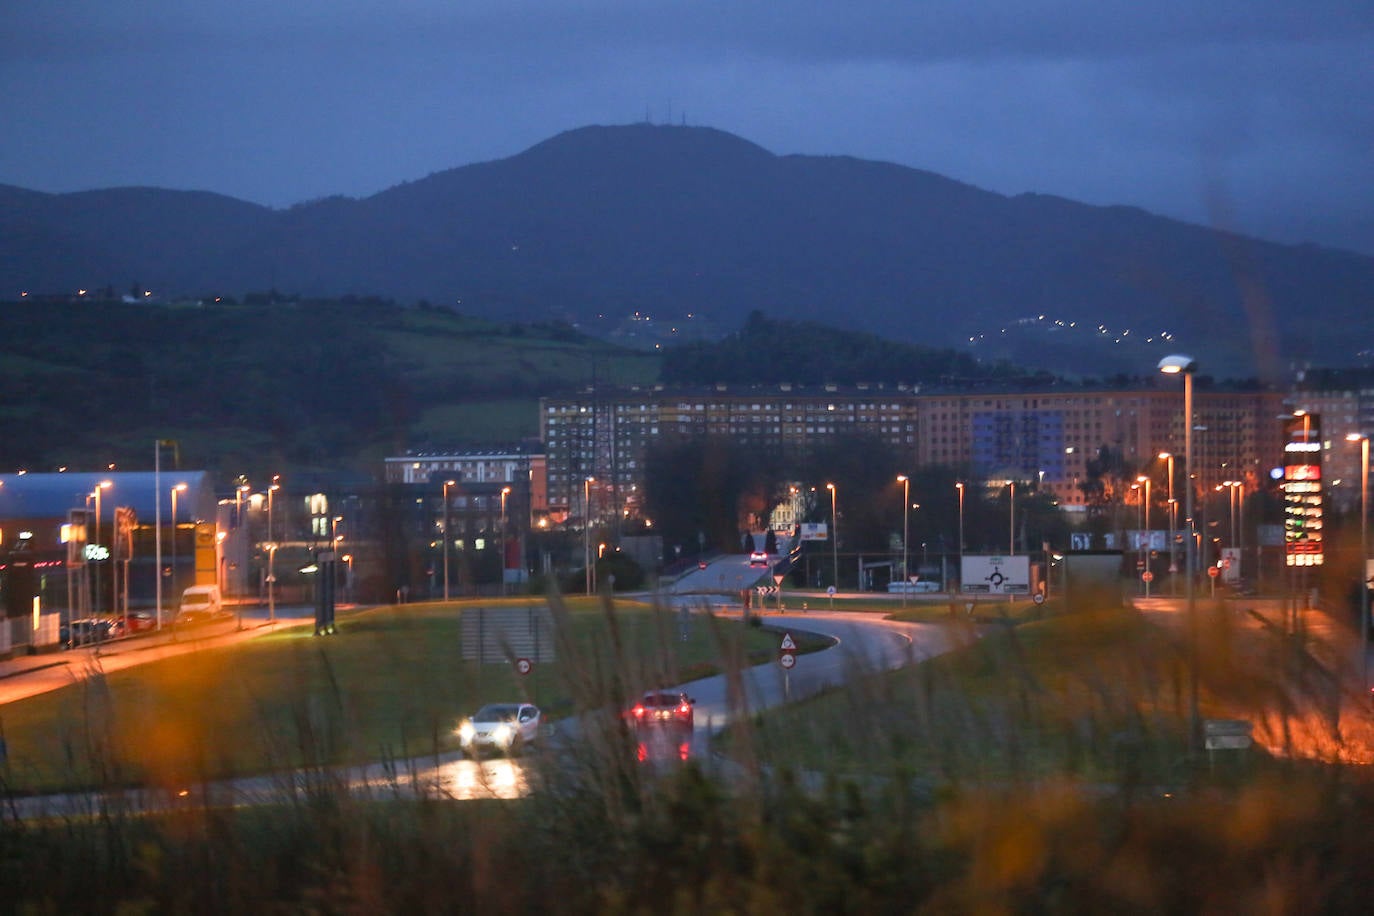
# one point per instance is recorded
(864, 643)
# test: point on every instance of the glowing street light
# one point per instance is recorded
(1187, 367)
(271, 554)
(179, 488)
(1011, 538)
(906, 529)
(834, 542)
(1173, 511)
(103, 485)
(447, 484)
(505, 493)
(1364, 555)
(587, 530)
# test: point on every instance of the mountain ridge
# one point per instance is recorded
(613, 220)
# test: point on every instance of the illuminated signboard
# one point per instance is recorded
(1302, 490)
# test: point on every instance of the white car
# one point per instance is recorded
(504, 727)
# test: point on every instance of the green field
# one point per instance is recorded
(391, 683)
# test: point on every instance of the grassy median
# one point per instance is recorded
(391, 683)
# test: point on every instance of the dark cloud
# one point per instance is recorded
(1168, 106)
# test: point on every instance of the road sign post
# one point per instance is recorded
(787, 658)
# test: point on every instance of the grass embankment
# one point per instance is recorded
(1015, 719)
(1099, 696)
(392, 683)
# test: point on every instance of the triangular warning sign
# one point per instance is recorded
(787, 644)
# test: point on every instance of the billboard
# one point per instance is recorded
(814, 531)
(998, 575)
(1302, 490)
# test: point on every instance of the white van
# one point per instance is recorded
(200, 603)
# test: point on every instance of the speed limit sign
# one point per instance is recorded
(523, 666)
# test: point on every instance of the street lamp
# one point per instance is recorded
(1187, 367)
(906, 530)
(1364, 555)
(271, 554)
(1011, 530)
(587, 530)
(103, 485)
(179, 488)
(834, 542)
(959, 488)
(505, 492)
(447, 484)
(1173, 511)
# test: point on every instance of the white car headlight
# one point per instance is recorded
(466, 731)
(503, 734)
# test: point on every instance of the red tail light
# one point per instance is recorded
(684, 709)
(638, 712)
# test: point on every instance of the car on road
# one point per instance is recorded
(758, 559)
(142, 621)
(504, 727)
(664, 707)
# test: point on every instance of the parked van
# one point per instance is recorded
(199, 604)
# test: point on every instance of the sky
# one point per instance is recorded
(1250, 115)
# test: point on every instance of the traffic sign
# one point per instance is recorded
(787, 644)
(787, 660)
(1147, 576)
(830, 591)
(523, 666)
(1213, 571)
(1038, 598)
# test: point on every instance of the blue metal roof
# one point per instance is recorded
(51, 496)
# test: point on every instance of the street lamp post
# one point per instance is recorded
(271, 555)
(1011, 533)
(447, 484)
(587, 530)
(179, 488)
(505, 492)
(834, 542)
(906, 530)
(1187, 366)
(103, 485)
(1364, 556)
(1173, 562)
(959, 487)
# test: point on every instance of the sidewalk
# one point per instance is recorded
(24, 675)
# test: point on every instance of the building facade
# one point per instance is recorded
(595, 443)
(1344, 399)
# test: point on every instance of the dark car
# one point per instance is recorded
(84, 632)
(664, 707)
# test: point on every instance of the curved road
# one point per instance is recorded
(864, 643)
